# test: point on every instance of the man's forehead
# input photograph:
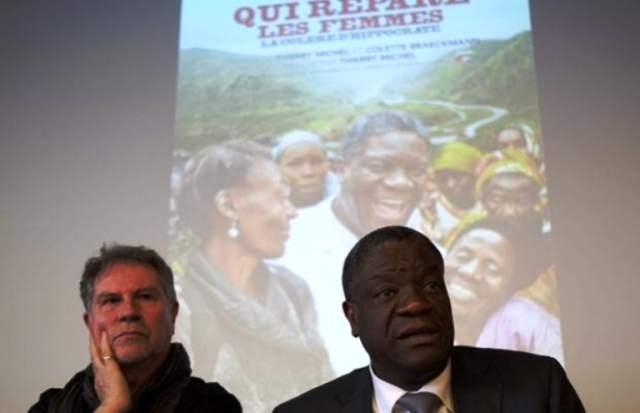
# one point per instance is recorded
(126, 276)
(391, 141)
(393, 253)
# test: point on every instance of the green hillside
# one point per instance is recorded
(498, 73)
(224, 96)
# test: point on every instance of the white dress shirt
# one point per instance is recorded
(385, 395)
(316, 251)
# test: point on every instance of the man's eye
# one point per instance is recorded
(109, 301)
(433, 285)
(146, 297)
(386, 293)
(376, 167)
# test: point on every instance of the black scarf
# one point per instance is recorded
(160, 394)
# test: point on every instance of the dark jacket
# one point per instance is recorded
(198, 397)
(482, 381)
(171, 389)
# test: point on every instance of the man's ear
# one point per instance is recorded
(175, 309)
(351, 312)
(85, 318)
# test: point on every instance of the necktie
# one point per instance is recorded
(417, 403)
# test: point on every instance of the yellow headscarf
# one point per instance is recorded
(508, 161)
(459, 156)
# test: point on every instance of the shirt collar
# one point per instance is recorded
(386, 394)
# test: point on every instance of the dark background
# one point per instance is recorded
(87, 94)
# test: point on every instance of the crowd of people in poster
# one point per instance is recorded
(264, 225)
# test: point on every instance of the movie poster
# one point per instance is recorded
(301, 126)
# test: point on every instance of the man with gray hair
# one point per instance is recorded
(130, 313)
(384, 162)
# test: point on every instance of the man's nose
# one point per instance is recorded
(414, 302)
(129, 311)
(399, 179)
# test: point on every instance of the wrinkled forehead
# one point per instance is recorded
(392, 143)
(394, 253)
(125, 275)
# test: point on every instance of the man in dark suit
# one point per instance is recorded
(398, 305)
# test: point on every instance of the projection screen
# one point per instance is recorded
(301, 127)
(102, 101)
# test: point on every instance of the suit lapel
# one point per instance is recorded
(475, 385)
(357, 398)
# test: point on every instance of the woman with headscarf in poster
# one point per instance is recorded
(510, 186)
(487, 263)
(305, 166)
(242, 319)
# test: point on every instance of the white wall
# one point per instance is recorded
(87, 93)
